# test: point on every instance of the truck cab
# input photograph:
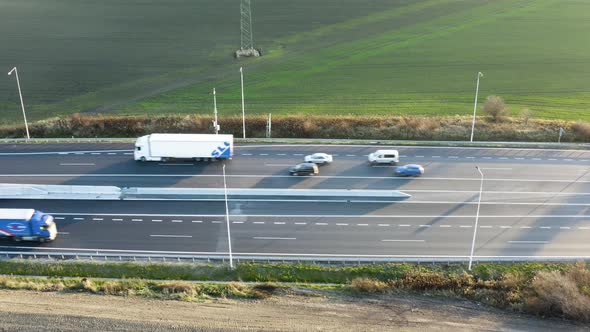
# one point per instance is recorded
(27, 225)
(142, 149)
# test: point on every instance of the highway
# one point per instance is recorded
(534, 202)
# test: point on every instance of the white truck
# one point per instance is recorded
(163, 147)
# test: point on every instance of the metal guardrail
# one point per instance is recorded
(222, 259)
(554, 145)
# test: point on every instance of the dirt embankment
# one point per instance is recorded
(297, 310)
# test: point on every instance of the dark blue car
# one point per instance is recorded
(409, 170)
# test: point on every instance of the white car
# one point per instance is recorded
(318, 158)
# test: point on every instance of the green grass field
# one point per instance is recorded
(414, 57)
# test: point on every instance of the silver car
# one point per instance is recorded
(318, 158)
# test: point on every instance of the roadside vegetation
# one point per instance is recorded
(491, 125)
(552, 289)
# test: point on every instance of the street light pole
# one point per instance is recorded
(476, 218)
(22, 104)
(215, 125)
(231, 261)
(243, 106)
(479, 74)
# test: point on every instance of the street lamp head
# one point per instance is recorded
(10, 72)
(480, 74)
(477, 167)
(240, 69)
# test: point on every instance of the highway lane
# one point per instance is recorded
(266, 167)
(327, 228)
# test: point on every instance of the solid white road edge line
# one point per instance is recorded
(291, 177)
(402, 241)
(529, 242)
(313, 215)
(273, 238)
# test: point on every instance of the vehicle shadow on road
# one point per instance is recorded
(130, 173)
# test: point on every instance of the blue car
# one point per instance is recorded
(409, 170)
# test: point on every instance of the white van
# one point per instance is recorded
(384, 157)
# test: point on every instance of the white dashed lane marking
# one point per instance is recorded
(77, 164)
(554, 227)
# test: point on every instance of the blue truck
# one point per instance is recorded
(27, 225)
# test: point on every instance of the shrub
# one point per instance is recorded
(526, 114)
(581, 131)
(175, 287)
(495, 108)
(368, 285)
(556, 293)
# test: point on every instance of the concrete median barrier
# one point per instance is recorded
(33, 191)
(263, 194)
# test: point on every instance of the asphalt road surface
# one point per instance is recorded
(534, 202)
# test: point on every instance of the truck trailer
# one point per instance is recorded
(27, 225)
(164, 147)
